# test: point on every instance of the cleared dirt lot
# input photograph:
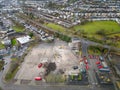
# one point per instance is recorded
(57, 52)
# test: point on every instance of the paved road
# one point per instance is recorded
(98, 44)
(64, 87)
(91, 74)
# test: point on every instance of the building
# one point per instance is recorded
(6, 42)
(24, 39)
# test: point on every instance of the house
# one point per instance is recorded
(6, 42)
(2, 34)
(75, 44)
(10, 31)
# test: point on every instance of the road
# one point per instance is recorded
(91, 74)
(54, 87)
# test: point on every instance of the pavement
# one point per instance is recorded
(64, 87)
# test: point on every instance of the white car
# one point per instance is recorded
(43, 38)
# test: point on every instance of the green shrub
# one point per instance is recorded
(14, 42)
(63, 37)
(1, 65)
(31, 34)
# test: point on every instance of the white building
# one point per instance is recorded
(24, 40)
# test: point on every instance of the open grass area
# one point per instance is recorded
(18, 28)
(94, 51)
(97, 50)
(100, 31)
(52, 78)
(55, 27)
(10, 75)
(2, 46)
(92, 27)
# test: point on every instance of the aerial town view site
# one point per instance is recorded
(59, 44)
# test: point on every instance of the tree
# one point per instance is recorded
(31, 15)
(31, 34)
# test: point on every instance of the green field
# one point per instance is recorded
(56, 27)
(92, 27)
(104, 32)
(2, 46)
(18, 28)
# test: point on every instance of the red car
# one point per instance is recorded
(87, 67)
(100, 67)
(38, 78)
(85, 61)
(40, 65)
(98, 62)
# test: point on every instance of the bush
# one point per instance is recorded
(14, 42)
(63, 37)
(50, 67)
(31, 34)
(1, 65)
(101, 32)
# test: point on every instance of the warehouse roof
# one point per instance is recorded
(23, 40)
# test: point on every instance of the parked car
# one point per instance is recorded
(38, 78)
(40, 65)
